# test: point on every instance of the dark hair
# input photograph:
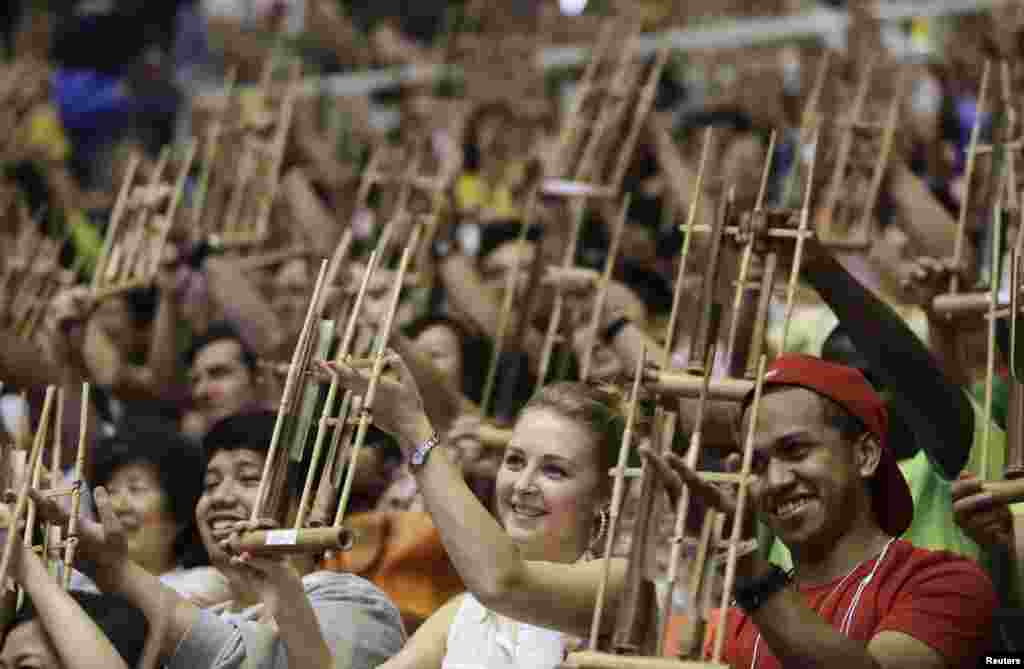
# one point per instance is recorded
(142, 303)
(218, 331)
(835, 414)
(123, 624)
(251, 431)
(475, 351)
(179, 469)
(593, 408)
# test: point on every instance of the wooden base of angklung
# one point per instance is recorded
(589, 659)
(288, 542)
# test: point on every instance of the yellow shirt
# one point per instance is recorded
(472, 192)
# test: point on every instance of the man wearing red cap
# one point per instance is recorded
(827, 484)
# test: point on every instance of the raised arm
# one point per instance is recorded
(79, 642)
(938, 411)
(553, 595)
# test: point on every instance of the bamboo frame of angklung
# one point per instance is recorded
(328, 417)
(245, 167)
(314, 540)
(261, 162)
(337, 537)
(55, 548)
(601, 294)
(577, 188)
(688, 385)
(860, 236)
(956, 302)
(273, 479)
(211, 150)
(131, 255)
(22, 501)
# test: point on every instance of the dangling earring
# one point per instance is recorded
(595, 542)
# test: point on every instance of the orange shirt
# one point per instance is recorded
(401, 553)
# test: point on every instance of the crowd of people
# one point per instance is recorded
(481, 506)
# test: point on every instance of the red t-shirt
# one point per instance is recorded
(936, 597)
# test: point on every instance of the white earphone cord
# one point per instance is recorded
(850, 612)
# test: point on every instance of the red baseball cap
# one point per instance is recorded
(847, 387)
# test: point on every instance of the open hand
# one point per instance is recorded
(398, 408)
(101, 543)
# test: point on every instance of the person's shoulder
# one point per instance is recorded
(941, 568)
(348, 586)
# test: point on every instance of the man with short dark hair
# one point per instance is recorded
(223, 378)
(319, 619)
(826, 482)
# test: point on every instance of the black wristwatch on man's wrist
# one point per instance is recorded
(752, 594)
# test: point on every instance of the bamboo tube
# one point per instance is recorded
(972, 147)
(53, 532)
(1014, 467)
(116, 217)
(990, 367)
(511, 283)
(748, 250)
(278, 147)
(741, 508)
(365, 414)
(685, 384)
(602, 290)
(843, 158)
(634, 627)
(794, 273)
(643, 107)
(211, 149)
(764, 300)
(23, 500)
(36, 475)
(683, 503)
(134, 249)
(71, 543)
(888, 140)
(290, 542)
(287, 397)
(702, 337)
(567, 139)
(172, 209)
(691, 219)
(591, 660)
(579, 212)
(618, 491)
(328, 411)
(692, 635)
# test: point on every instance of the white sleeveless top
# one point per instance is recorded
(481, 639)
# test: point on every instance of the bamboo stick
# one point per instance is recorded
(618, 491)
(741, 508)
(23, 500)
(71, 543)
(365, 414)
(958, 244)
(288, 395)
(602, 290)
(691, 219)
(805, 215)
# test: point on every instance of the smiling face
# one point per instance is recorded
(143, 507)
(230, 487)
(808, 483)
(549, 486)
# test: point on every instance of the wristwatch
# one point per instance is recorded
(419, 455)
(751, 595)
